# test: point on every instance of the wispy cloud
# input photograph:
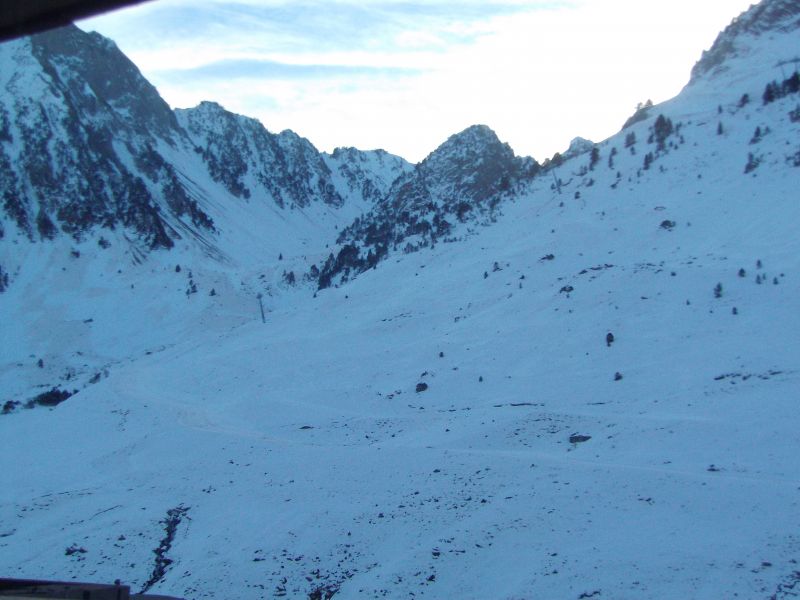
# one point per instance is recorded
(406, 74)
(315, 25)
(267, 69)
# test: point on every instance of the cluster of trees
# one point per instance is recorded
(594, 157)
(346, 261)
(662, 129)
(642, 112)
(775, 91)
(377, 233)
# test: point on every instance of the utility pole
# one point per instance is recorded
(261, 306)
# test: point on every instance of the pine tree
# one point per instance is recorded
(662, 129)
(770, 92)
(594, 158)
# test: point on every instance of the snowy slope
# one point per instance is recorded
(456, 422)
(143, 219)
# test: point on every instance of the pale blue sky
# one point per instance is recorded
(405, 75)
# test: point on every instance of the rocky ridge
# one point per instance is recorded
(88, 146)
(463, 180)
(775, 16)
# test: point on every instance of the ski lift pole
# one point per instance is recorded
(261, 306)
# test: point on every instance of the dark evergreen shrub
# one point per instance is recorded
(52, 398)
(45, 226)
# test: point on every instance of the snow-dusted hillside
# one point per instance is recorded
(122, 222)
(456, 422)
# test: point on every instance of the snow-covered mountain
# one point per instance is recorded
(106, 190)
(775, 20)
(243, 156)
(87, 144)
(80, 130)
(462, 180)
(366, 176)
(589, 391)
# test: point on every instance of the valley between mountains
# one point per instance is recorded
(481, 376)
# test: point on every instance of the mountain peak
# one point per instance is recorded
(780, 16)
(478, 130)
(209, 106)
(352, 153)
(467, 149)
(86, 64)
(474, 135)
(462, 180)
